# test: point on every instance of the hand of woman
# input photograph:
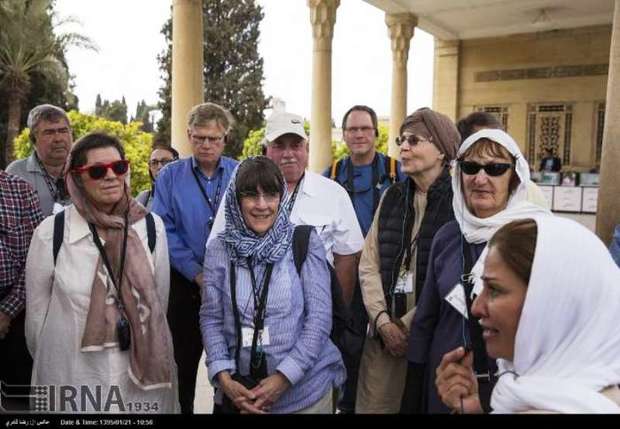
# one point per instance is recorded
(456, 382)
(394, 339)
(269, 390)
(238, 394)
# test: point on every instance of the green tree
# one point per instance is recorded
(29, 45)
(137, 143)
(143, 115)
(233, 69)
(115, 110)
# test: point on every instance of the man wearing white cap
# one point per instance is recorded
(313, 199)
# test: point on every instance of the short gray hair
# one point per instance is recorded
(45, 112)
(204, 113)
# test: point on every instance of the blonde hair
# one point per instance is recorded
(202, 114)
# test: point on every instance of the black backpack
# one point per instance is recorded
(348, 340)
(59, 232)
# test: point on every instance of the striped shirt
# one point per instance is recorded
(19, 216)
(298, 317)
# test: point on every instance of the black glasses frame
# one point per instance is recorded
(494, 169)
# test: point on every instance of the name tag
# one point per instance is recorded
(404, 284)
(456, 298)
(247, 335)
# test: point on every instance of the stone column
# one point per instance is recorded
(446, 81)
(400, 29)
(187, 67)
(608, 211)
(322, 18)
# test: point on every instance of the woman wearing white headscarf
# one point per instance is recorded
(550, 314)
(489, 184)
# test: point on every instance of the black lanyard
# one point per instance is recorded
(374, 184)
(55, 186)
(481, 362)
(106, 261)
(213, 207)
(260, 296)
(291, 201)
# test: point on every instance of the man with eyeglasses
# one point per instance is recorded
(51, 136)
(187, 195)
(365, 174)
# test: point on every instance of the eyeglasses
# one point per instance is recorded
(99, 171)
(162, 162)
(269, 197)
(495, 169)
(364, 130)
(412, 140)
(198, 140)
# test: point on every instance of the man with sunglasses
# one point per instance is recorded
(187, 196)
(51, 136)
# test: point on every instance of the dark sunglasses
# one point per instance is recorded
(411, 139)
(495, 169)
(99, 171)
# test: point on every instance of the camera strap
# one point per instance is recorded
(106, 261)
(257, 358)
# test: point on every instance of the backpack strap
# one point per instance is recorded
(390, 168)
(301, 239)
(335, 169)
(150, 231)
(59, 232)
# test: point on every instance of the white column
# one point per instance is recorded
(322, 18)
(400, 29)
(608, 211)
(187, 66)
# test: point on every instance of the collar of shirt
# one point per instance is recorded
(78, 228)
(309, 185)
(32, 165)
(218, 170)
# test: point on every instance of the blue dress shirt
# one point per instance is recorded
(185, 212)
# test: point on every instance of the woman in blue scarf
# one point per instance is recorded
(265, 327)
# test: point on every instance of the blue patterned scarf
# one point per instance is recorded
(241, 242)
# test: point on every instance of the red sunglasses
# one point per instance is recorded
(99, 171)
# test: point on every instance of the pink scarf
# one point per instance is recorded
(151, 356)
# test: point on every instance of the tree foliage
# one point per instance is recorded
(137, 143)
(31, 45)
(115, 110)
(233, 69)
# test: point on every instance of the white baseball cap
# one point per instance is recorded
(282, 123)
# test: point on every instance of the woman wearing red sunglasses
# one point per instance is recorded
(96, 309)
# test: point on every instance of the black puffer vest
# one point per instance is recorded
(396, 218)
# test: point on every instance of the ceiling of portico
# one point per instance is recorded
(469, 19)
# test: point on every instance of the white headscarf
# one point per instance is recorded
(567, 346)
(479, 230)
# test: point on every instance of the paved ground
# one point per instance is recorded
(203, 403)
